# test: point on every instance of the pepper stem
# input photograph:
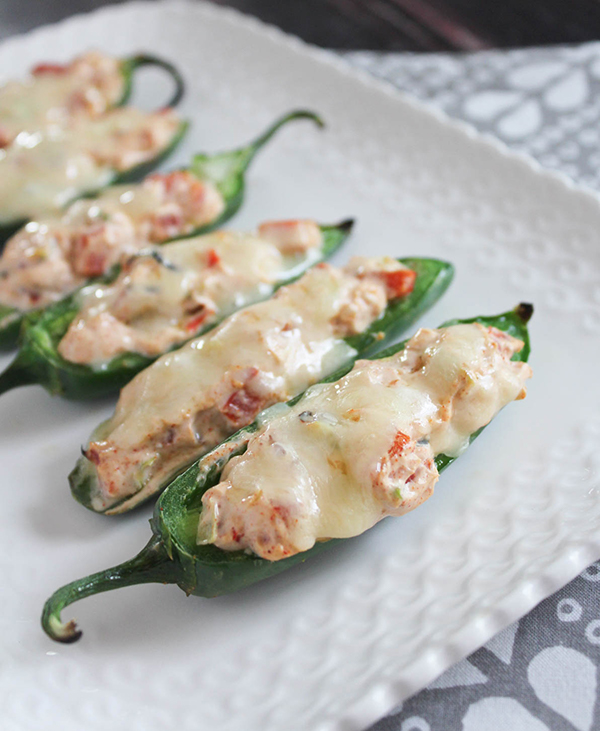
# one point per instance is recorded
(152, 564)
(524, 311)
(225, 168)
(143, 59)
(251, 149)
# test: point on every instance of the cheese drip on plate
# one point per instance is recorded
(191, 399)
(352, 452)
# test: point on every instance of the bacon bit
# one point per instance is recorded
(212, 258)
(34, 297)
(241, 407)
(237, 537)
(49, 68)
(400, 283)
(400, 441)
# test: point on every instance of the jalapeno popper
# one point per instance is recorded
(328, 465)
(64, 164)
(62, 134)
(51, 257)
(56, 94)
(95, 341)
(193, 398)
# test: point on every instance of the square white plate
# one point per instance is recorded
(336, 643)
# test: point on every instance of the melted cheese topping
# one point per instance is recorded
(164, 296)
(352, 452)
(54, 95)
(193, 398)
(50, 258)
(47, 171)
(289, 338)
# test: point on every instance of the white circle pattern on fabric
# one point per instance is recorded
(415, 723)
(569, 610)
(592, 632)
(592, 573)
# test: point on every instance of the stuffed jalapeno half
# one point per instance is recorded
(95, 341)
(57, 94)
(328, 465)
(52, 257)
(64, 164)
(191, 399)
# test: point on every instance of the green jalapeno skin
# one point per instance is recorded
(433, 278)
(39, 361)
(131, 64)
(172, 555)
(225, 170)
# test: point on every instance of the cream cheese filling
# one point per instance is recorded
(191, 399)
(165, 295)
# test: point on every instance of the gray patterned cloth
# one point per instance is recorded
(541, 673)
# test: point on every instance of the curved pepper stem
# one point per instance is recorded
(151, 565)
(131, 64)
(251, 149)
(226, 168)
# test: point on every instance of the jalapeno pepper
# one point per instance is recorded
(172, 555)
(39, 361)
(9, 225)
(225, 170)
(20, 101)
(432, 279)
(128, 67)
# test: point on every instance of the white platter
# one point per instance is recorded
(332, 645)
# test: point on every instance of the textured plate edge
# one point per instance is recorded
(382, 697)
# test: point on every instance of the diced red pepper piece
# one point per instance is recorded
(195, 323)
(242, 407)
(212, 258)
(399, 283)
